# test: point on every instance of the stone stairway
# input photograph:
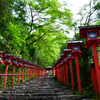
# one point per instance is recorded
(50, 89)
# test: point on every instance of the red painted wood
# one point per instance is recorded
(67, 74)
(22, 73)
(18, 75)
(12, 80)
(63, 73)
(25, 73)
(94, 81)
(71, 72)
(96, 66)
(5, 77)
(78, 73)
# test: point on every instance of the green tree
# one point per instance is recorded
(32, 29)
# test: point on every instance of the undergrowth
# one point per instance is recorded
(88, 91)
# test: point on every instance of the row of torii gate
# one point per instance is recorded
(60, 69)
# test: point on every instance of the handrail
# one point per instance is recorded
(28, 69)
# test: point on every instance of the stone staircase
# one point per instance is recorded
(50, 89)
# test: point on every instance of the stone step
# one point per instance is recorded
(35, 98)
(4, 98)
(42, 97)
(70, 97)
(50, 89)
(19, 97)
(64, 93)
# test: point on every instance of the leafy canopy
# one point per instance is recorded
(34, 29)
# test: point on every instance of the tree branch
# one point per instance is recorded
(36, 40)
(36, 28)
(89, 15)
(32, 16)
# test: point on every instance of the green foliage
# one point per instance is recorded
(88, 93)
(33, 29)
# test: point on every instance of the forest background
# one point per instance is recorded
(36, 30)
